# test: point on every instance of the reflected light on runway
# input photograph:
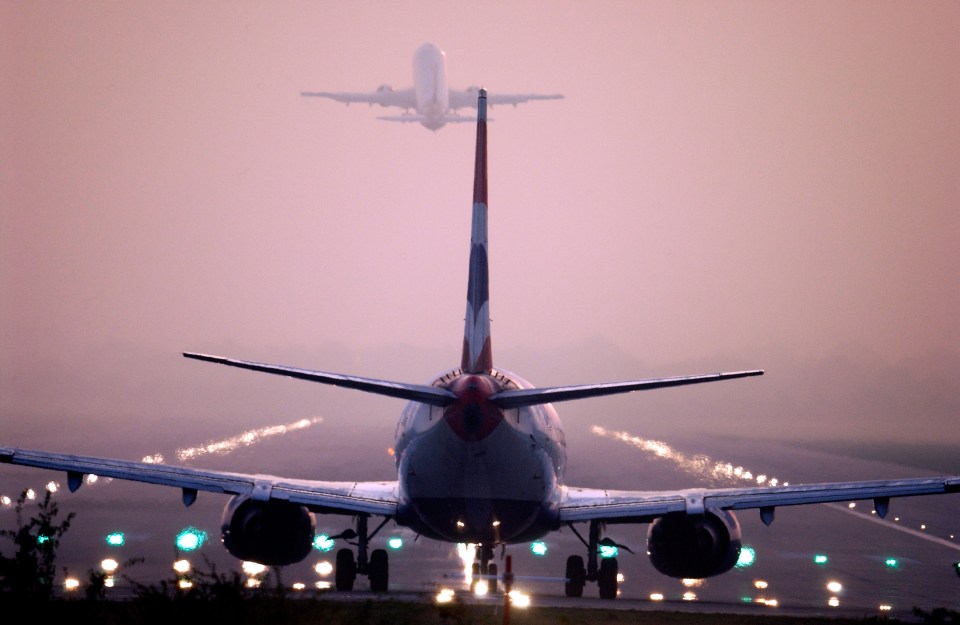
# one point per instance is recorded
(221, 447)
(467, 555)
(700, 465)
(253, 568)
(250, 437)
(726, 473)
(519, 599)
(445, 595)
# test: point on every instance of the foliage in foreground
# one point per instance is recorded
(30, 572)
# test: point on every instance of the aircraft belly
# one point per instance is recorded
(485, 491)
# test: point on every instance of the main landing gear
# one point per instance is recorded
(605, 574)
(484, 569)
(376, 567)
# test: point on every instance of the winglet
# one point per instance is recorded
(477, 354)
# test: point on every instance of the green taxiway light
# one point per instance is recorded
(820, 558)
(322, 542)
(116, 539)
(747, 557)
(892, 563)
(538, 548)
(395, 542)
(190, 539)
(608, 551)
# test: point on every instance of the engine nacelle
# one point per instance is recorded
(275, 533)
(694, 546)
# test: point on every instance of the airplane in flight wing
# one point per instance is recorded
(480, 456)
(434, 103)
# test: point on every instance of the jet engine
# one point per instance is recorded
(684, 545)
(274, 533)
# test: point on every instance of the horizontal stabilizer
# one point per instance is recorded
(412, 392)
(534, 396)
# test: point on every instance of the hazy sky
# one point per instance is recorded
(724, 186)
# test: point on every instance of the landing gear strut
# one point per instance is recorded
(484, 569)
(375, 567)
(605, 574)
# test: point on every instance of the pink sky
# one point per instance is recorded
(724, 186)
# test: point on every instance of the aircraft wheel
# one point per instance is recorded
(492, 579)
(576, 577)
(379, 570)
(607, 578)
(346, 570)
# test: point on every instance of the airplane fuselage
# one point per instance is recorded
(472, 472)
(430, 85)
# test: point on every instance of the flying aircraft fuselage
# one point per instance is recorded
(430, 85)
(473, 472)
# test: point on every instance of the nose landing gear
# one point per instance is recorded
(484, 569)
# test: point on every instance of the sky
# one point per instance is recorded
(724, 186)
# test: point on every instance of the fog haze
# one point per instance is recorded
(724, 186)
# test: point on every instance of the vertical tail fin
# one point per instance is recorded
(477, 355)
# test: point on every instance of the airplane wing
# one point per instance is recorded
(468, 97)
(618, 506)
(447, 119)
(384, 96)
(377, 498)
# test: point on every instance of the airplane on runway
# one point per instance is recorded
(480, 456)
(434, 103)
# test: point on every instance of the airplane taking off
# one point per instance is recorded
(480, 456)
(434, 103)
